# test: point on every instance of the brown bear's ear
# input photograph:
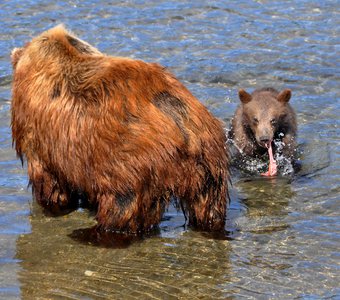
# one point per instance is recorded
(284, 96)
(15, 56)
(244, 96)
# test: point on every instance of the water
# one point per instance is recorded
(284, 232)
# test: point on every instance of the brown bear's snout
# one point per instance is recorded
(263, 137)
(265, 140)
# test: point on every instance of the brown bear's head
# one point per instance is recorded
(264, 112)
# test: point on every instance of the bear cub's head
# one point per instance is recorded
(265, 113)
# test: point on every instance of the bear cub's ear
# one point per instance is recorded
(284, 96)
(244, 96)
(15, 56)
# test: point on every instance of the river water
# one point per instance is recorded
(283, 236)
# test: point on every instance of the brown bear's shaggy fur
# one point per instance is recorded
(261, 118)
(125, 133)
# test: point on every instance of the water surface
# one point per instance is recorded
(284, 236)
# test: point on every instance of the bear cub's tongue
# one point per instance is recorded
(272, 170)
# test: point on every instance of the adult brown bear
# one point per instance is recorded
(125, 133)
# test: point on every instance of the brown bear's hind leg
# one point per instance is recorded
(130, 213)
(207, 210)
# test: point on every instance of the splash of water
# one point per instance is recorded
(284, 164)
(258, 165)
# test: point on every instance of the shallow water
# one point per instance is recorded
(284, 232)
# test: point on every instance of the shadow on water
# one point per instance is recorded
(95, 237)
(116, 240)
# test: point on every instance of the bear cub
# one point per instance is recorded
(262, 121)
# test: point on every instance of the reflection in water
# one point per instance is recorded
(266, 201)
(53, 265)
(265, 196)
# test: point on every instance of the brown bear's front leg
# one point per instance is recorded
(47, 190)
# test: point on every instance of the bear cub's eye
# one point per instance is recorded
(273, 121)
(256, 120)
